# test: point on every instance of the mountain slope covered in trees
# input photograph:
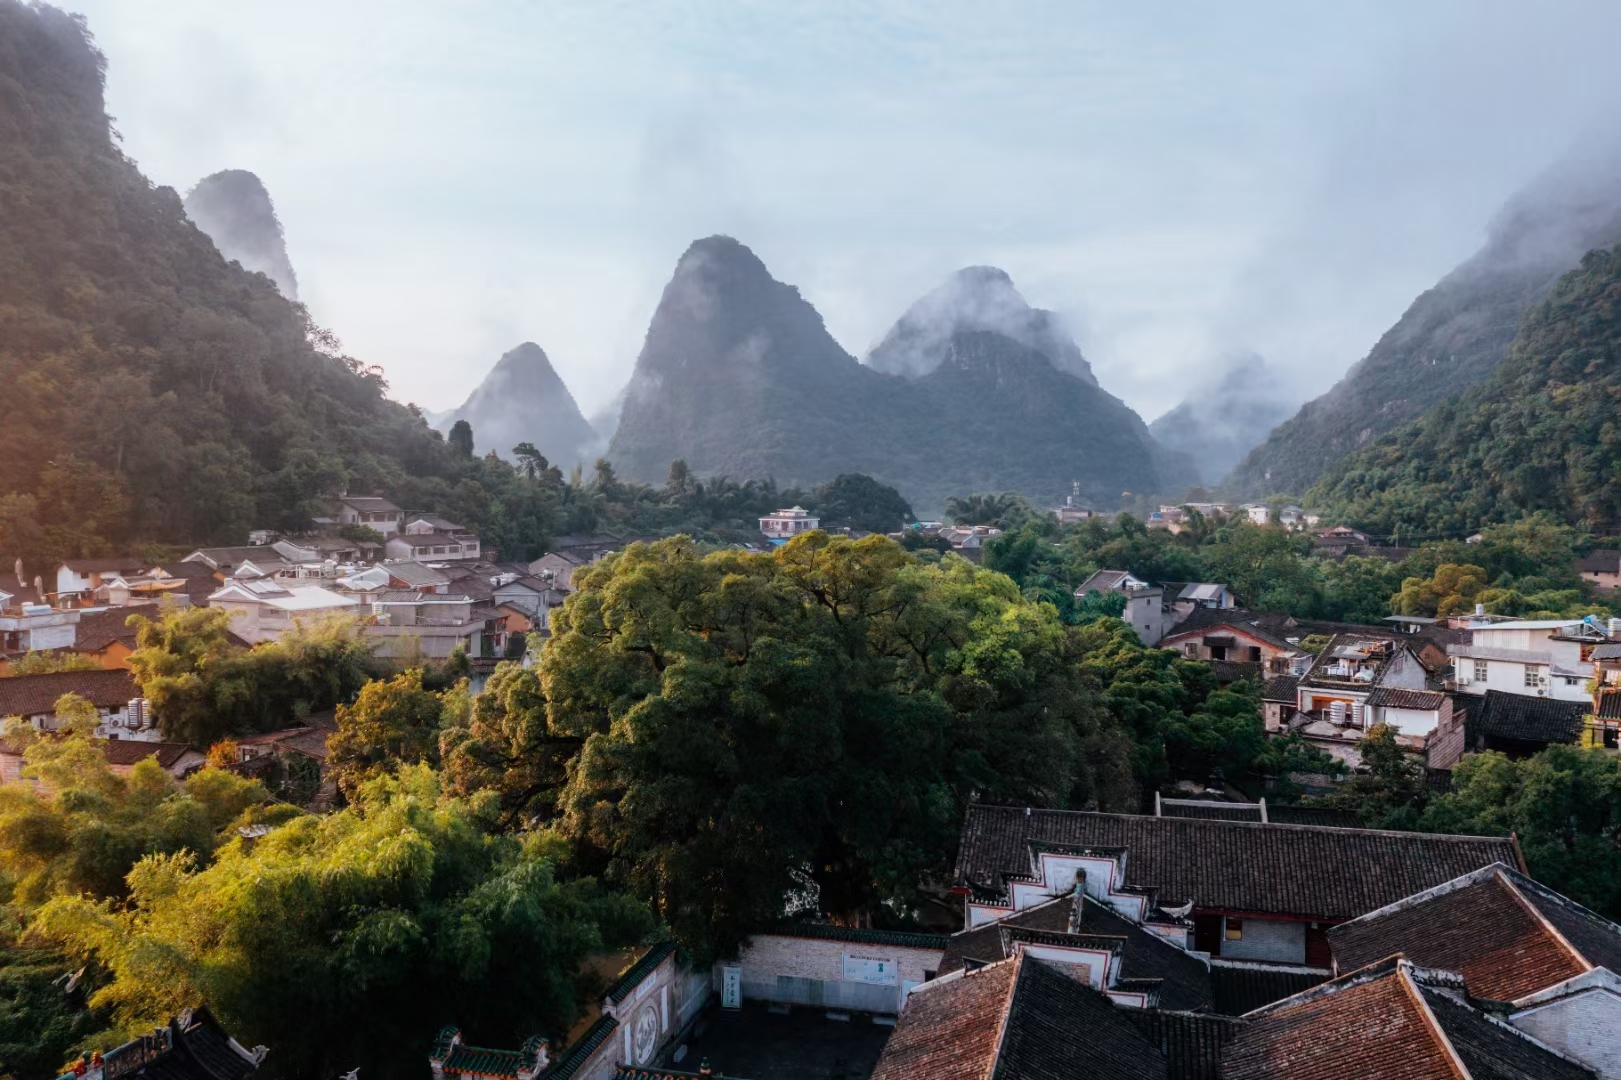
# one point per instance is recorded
(739, 376)
(1219, 423)
(153, 390)
(1454, 335)
(522, 399)
(235, 210)
(1542, 433)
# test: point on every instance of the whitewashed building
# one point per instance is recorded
(782, 525)
(263, 609)
(1537, 657)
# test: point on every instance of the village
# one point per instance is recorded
(1211, 937)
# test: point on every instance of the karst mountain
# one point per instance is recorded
(522, 399)
(235, 210)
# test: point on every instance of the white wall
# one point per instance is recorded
(1278, 941)
(768, 958)
(1585, 1026)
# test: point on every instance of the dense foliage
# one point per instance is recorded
(1540, 434)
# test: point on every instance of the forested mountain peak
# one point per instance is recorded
(975, 298)
(235, 210)
(523, 399)
(739, 376)
(1455, 334)
(154, 391)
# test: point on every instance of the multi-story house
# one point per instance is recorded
(372, 512)
(1537, 657)
(781, 526)
(432, 539)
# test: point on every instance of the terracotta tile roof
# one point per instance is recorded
(1019, 1018)
(98, 629)
(1482, 926)
(1387, 1021)
(950, 1029)
(32, 695)
(1297, 870)
(1527, 719)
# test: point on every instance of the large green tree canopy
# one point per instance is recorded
(808, 723)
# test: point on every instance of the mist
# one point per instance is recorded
(1176, 186)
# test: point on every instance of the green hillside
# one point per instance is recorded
(1542, 433)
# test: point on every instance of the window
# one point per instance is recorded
(1235, 929)
(1191, 651)
(1255, 654)
(1532, 676)
(1481, 674)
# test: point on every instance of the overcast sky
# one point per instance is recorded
(1181, 180)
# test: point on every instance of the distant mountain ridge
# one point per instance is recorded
(523, 399)
(739, 376)
(1454, 335)
(235, 210)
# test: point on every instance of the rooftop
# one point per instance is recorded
(1387, 1021)
(1507, 935)
(1527, 719)
(32, 695)
(1302, 870)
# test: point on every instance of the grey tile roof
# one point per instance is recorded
(1492, 1049)
(1396, 697)
(33, 695)
(1240, 988)
(1281, 688)
(1191, 1042)
(1055, 1022)
(1527, 719)
(1238, 866)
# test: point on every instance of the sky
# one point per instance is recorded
(1183, 182)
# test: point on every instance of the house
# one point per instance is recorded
(1257, 513)
(1217, 634)
(1520, 726)
(557, 568)
(1201, 594)
(782, 525)
(428, 538)
(77, 579)
(275, 757)
(1536, 657)
(412, 626)
(1145, 604)
(1361, 681)
(370, 511)
(1280, 696)
(176, 759)
(124, 713)
(263, 610)
(1551, 962)
(27, 625)
(193, 1046)
(1602, 567)
(625, 1030)
(968, 540)
(1244, 891)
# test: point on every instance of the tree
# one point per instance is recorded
(507, 746)
(860, 502)
(344, 941)
(461, 438)
(1266, 567)
(1564, 807)
(530, 460)
(815, 718)
(679, 482)
(46, 662)
(1451, 590)
(1389, 791)
(390, 724)
(1007, 510)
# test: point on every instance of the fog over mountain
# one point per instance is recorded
(523, 400)
(235, 210)
(1227, 416)
(1455, 334)
(739, 376)
(974, 298)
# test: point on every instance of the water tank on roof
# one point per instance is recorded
(36, 609)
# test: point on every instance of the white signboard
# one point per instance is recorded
(731, 988)
(872, 970)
